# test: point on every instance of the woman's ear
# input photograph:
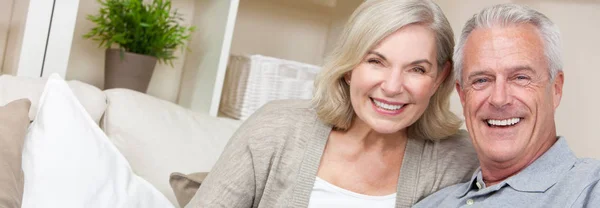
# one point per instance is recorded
(348, 77)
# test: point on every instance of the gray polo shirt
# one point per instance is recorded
(556, 179)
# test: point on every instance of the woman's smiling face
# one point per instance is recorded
(391, 87)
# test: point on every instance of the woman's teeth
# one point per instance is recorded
(505, 122)
(387, 106)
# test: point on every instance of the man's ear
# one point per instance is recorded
(461, 94)
(445, 73)
(557, 88)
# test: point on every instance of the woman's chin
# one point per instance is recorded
(388, 129)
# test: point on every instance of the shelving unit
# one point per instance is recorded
(297, 30)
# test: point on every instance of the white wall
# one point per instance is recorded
(578, 113)
(16, 30)
(576, 117)
(339, 17)
(280, 30)
(5, 17)
(86, 61)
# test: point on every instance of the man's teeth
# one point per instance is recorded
(387, 106)
(506, 122)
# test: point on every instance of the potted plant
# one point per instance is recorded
(136, 35)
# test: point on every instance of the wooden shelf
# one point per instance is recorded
(298, 30)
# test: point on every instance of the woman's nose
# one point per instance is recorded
(392, 84)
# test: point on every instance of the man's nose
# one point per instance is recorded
(393, 83)
(500, 97)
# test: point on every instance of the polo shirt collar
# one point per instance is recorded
(540, 175)
(464, 188)
(544, 172)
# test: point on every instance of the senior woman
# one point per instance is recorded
(378, 132)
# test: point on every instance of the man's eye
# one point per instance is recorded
(522, 80)
(480, 83)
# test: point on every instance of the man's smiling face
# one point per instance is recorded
(507, 94)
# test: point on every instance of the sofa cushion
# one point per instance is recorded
(69, 162)
(14, 88)
(158, 137)
(13, 127)
(185, 186)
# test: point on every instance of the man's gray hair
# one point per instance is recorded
(503, 15)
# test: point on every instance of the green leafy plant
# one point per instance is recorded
(138, 27)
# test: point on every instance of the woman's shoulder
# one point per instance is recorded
(460, 141)
(280, 119)
(287, 107)
(457, 149)
(283, 113)
(455, 159)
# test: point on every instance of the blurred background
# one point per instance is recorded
(40, 37)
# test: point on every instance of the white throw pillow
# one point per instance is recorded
(16, 87)
(69, 162)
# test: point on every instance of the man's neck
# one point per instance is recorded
(496, 172)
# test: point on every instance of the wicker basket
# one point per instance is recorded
(253, 80)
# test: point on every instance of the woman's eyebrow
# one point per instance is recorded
(420, 61)
(377, 54)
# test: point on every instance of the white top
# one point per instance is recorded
(325, 194)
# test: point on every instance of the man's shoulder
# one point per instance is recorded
(587, 169)
(589, 163)
(437, 199)
(586, 174)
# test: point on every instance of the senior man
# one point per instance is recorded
(510, 80)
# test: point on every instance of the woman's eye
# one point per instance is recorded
(374, 61)
(420, 70)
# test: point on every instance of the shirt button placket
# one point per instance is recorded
(470, 201)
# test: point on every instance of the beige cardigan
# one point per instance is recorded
(272, 161)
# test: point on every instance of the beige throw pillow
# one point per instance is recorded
(185, 186)
(14, 121)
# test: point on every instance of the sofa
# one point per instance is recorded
(157, 138)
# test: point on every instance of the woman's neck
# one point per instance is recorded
(369, 139)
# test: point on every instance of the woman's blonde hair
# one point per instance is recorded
(371, 22)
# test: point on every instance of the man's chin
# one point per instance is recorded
(500, 154)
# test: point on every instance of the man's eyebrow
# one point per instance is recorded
(510, 71)
(377, 54)
(477, 73)
(521, 68)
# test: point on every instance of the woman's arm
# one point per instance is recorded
(231, 182)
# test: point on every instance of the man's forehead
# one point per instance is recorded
(504, 47)
(504, 37)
